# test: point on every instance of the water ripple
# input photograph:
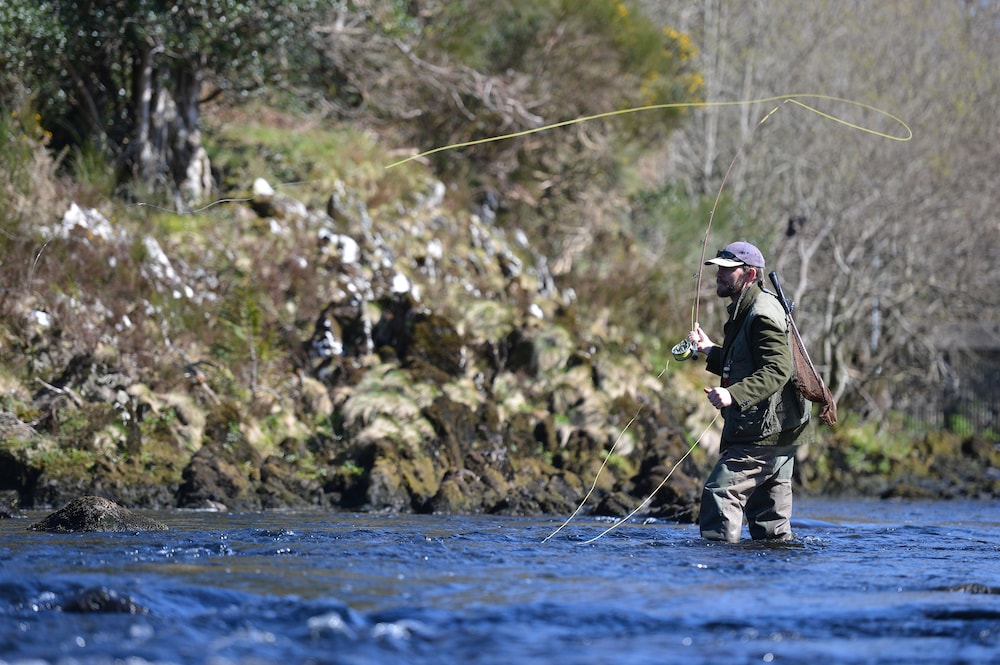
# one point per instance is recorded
(864, 583)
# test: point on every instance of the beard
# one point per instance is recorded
(727, 289)
(730, 286)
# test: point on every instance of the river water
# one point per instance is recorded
(864, 582)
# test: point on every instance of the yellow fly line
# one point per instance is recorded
(597, 476)
(663, 482)
(796, 99)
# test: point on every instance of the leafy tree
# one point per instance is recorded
(485, 68)
(128, 76)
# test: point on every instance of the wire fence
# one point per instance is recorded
(970, 402)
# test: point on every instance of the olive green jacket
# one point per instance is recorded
(755, 363)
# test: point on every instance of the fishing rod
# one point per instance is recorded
(684, 349)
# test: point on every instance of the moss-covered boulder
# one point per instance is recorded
(464, 491)
(217, 478)
(95, 513)
(225, 472)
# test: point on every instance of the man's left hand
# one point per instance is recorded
(719, 397)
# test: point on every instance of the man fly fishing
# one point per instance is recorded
(765, 415)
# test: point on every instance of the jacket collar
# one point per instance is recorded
(738, 308)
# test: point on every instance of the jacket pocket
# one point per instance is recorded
(750, 424)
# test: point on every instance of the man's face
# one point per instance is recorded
(729, 282)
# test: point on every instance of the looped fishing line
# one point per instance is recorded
(794, 99)
(642, 503)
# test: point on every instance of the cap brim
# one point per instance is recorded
(725, 263)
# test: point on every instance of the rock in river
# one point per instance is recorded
(94, 513)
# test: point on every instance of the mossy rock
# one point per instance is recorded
(385, 491)
(433, 341)
(421, 479)
(95, 513)
(282, 487)
(455, 425)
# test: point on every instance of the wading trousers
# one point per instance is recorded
(750, 480)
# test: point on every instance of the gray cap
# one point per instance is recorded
(738, 254)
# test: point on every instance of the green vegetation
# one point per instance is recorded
(554, 271)
(103, 68)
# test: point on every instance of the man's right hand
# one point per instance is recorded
(699, 339)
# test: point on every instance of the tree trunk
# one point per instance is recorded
(168, 154)
(189, 163)
(143, 152)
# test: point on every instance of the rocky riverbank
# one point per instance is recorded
(443, 372)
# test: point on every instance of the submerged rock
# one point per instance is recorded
(101, 600)
(95, 513)
(8, 504)
(971, 587)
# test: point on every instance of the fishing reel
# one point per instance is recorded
(684, 350)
